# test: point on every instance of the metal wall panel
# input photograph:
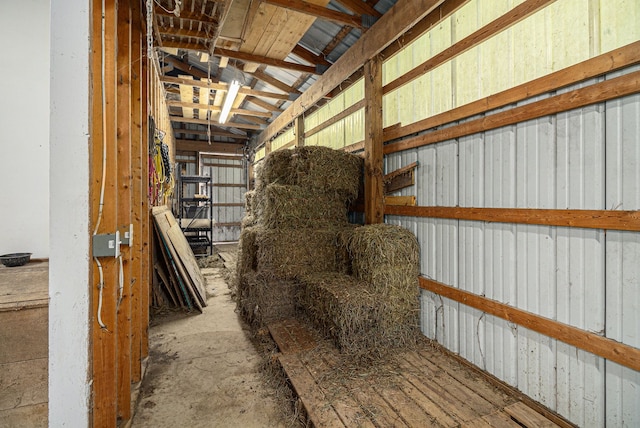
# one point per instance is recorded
(587, 158)
(222, 194)
(623, 256)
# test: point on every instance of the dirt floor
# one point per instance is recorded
(203, 370)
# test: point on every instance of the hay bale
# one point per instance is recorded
(289, 253)
(343, 258)
(249, 201)
(299, 207)
(318, 167)
(248, 221)
(264, 300)
(351, 313)
(247, 250)
(386, 256)
(277, 168)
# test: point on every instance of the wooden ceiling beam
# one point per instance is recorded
(256, 120)
(220, 86)
(360, 7)
(336, 40)
(242, 56)
(400, 18)
(204, 146)
(186, 68)
(182, 32)
(188, 15)
(309, 56)
(319, 12)
(210, 107)
(179, 119)
(273, 62)
(261, 75)
(214, 133)
(263, 104)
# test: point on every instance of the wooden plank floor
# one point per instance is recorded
(418, 387)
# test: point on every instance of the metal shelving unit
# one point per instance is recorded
(195, 213)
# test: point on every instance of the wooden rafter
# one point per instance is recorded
(182, 32)
(263, 104)
(360, 7)
(213, 108)
(242, 56)
(221, 87)
(188, 15)
(215, 132)
(204, 146)
(261, 75)
(273, 62)
(336, 40)
(187, 68)
(398, 20)
(309, 56)
(319, 12)
(178, 119)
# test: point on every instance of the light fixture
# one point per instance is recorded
(234, 87)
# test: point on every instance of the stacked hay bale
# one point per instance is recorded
(292, 223)
(377, 307)
(388, 258)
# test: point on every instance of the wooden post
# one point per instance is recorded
(138, 190)
(123, 139)
(373, 140)
(267, 148)
(104, 354)
(299, 131)
(147, 250)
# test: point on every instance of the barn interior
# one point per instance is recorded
(431, 205)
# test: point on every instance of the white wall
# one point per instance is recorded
(24, 120)
(69, 288)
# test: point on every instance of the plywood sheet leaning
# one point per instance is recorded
(178, 279)
(181, 254)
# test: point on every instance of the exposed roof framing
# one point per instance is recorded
(207, 44)
(319, 12)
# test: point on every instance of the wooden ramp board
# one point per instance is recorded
(181, 258)
(291, 336)
(421, 386)
(187, 257)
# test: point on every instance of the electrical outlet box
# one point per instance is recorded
(127, 238)
(106, 245)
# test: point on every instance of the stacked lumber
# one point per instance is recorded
(177, 280)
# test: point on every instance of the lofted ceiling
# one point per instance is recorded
(275, 49)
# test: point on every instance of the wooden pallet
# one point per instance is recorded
(423, 386)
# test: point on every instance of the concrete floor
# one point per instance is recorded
(203, 370)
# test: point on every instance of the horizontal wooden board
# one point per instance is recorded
(609, 89)
(604, 347)
(590, 68)
(591, 219)
(400, 200)
(526, 416)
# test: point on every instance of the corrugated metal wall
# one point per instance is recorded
(587, 158)
(344, 132)
(228, 187)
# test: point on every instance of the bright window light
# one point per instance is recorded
(234, 87)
